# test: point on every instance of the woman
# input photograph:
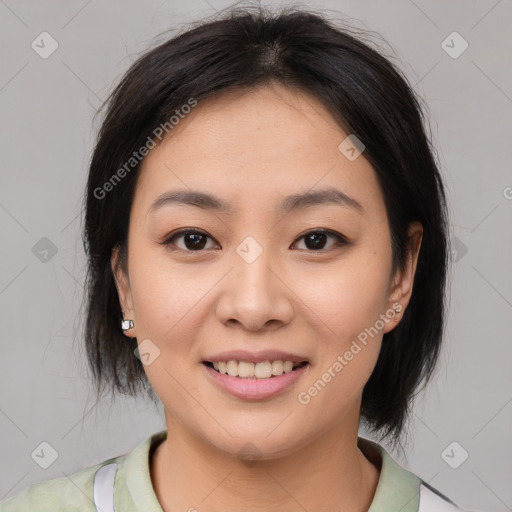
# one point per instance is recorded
(266, 240)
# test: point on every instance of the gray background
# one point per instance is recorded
(47, 131)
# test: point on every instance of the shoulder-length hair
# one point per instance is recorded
(364, 91)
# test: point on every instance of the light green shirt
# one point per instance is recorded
(123, 484)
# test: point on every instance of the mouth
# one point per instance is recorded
(260, 380)
(255, 371)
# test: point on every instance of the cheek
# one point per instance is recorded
(349, 304)
(166, 296)
(170, 304)
(355, 292)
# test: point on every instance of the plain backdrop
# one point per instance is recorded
(47, 132)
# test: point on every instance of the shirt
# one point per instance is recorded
(123, 484)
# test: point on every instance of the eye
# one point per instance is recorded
(195, 240)
(315, 240)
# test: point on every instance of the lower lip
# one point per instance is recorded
(255, 389)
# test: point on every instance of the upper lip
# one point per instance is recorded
(255, 357)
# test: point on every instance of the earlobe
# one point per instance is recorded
(123, 291)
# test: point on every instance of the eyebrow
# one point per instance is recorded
(294, 202)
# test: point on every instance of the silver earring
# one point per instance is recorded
(126, 324)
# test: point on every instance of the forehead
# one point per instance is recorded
(254, 145)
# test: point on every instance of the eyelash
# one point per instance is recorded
(341, 240)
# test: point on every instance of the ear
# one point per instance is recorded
(402, 284)
(124, 292)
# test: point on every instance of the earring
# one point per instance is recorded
(126, 324)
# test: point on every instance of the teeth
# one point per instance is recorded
(246, 369)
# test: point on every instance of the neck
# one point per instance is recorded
(329, 474)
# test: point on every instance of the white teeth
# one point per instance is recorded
(232, 368)
(246, 369)
(277, 367)
(288, 366)
(262, 370)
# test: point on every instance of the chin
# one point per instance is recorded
(254, 446)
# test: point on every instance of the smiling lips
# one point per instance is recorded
(260, 365)
(255, 375)
(255, 388)
(260, 370)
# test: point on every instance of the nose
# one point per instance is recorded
(255, 295)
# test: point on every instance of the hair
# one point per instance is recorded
(365, 92)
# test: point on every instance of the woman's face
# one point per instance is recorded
(261, 275)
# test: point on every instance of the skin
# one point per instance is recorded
(252, 148)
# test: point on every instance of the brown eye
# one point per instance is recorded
(194, 240)
(316, 240)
